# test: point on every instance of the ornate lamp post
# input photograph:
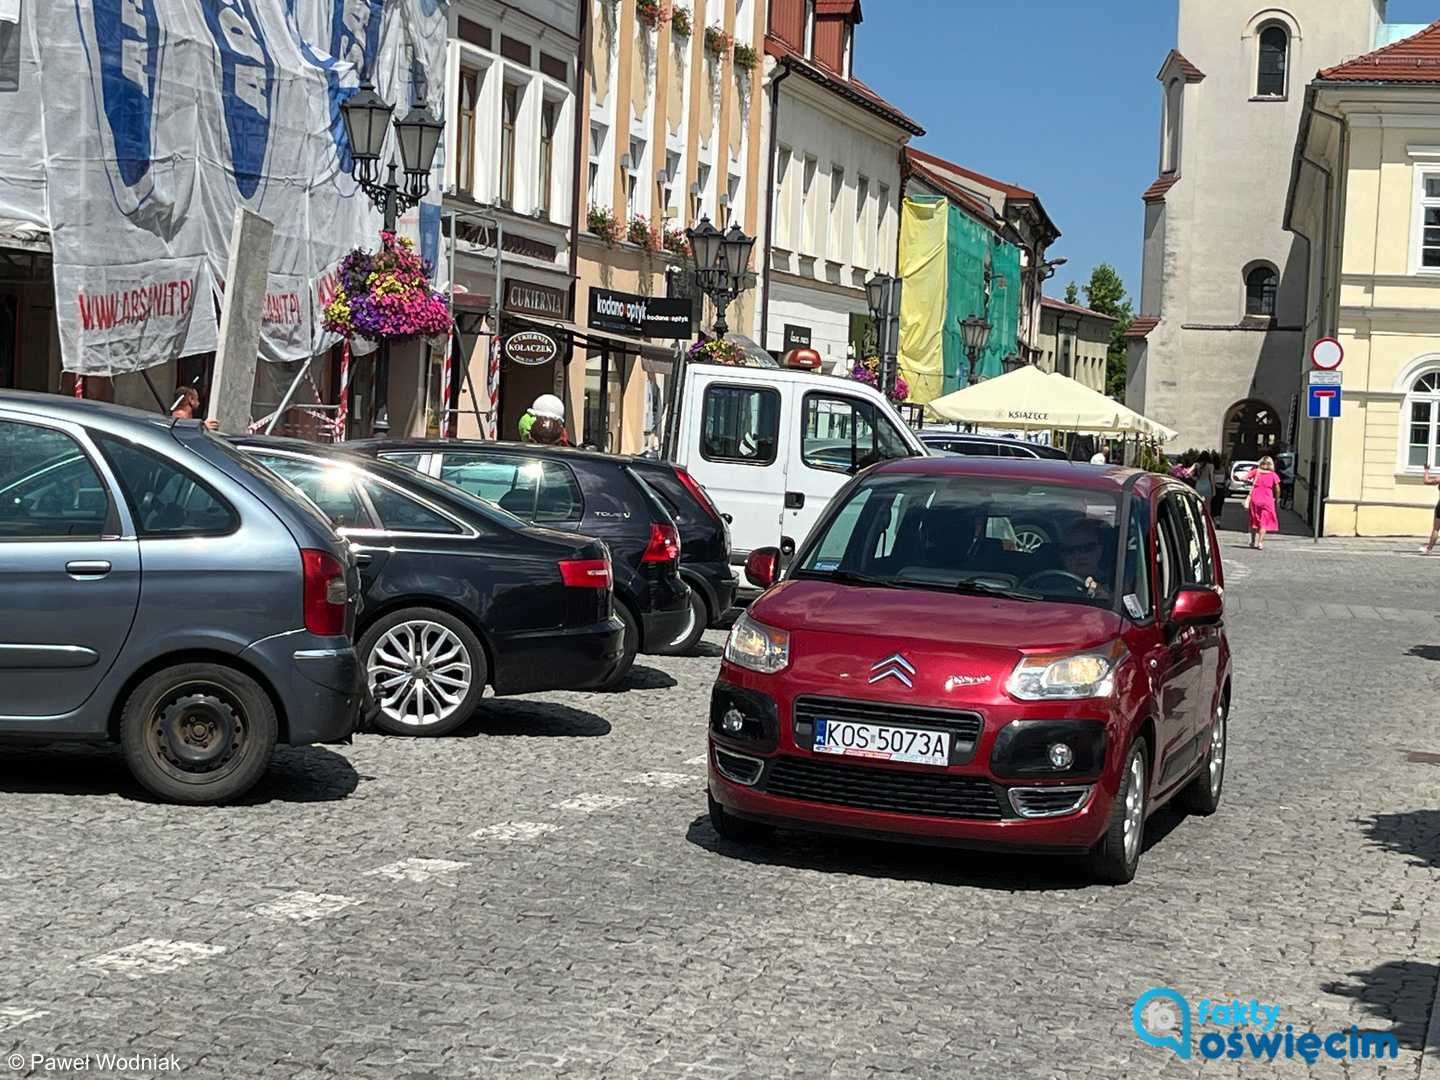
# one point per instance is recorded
(720, 261)
(976, 332)
(367, 122)
(882, 294)
(1012, 362)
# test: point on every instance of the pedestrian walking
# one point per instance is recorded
(1261, 503)
(1205, 477)
(1433, 479)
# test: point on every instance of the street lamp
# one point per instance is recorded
(720, 261)
(882, 294)
(367, 119)
(976, 332)
(1012, 362)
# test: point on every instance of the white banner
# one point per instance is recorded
(159, 117)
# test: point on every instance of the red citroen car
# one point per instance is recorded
(921, 674)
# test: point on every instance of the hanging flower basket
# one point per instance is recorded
(867, 371)
(651, 13)
(717, 351)
(385, 295)
(744, 58)
(717, 41)
(680, 22)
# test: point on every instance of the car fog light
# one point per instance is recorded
(1061, 756)
(733, 722)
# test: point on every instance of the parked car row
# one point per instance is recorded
(243, 592)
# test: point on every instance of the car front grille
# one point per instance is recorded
(872, 787)
(965, 727)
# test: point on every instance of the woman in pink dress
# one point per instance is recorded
(1261, 503)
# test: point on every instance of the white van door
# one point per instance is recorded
(731, 434)
(838, 435)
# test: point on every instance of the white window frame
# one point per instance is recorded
(598, 192)
(1412, 398)
(1419, 203)
(1173, 142)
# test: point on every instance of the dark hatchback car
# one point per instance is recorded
(161, 591)
(580, 491)
(989, 446)
(913, 676)
(458, 594)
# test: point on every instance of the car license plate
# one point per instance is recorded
(882, 742)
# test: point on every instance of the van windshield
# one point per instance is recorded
(1025, 540)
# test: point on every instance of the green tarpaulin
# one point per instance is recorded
(969, 242)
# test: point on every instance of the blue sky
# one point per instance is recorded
(1077, 123)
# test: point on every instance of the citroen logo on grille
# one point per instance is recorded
(895, 667)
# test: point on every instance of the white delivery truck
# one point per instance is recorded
(772, 446)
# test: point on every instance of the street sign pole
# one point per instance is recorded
(1326, 355)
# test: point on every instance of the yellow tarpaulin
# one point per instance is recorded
(922, 304)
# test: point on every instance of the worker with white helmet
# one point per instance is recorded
(544, 423)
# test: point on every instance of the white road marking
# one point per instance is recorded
(514, 830)
(670, 780)
(305, 907)
(14, 1016)
(419, 871)
(594, 803)
(153, 956)
(703, 759)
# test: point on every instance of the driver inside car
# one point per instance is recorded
(1083, 552)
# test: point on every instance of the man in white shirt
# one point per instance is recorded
(1100, 458)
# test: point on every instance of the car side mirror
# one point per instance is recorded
(1197, 605)
(762, 568)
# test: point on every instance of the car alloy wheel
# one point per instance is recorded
(419, 673)
(1029, 539)
(1217, 752)
(1134, 807)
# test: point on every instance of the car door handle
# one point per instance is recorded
(794, 500)
(362, 558)
(97, 568)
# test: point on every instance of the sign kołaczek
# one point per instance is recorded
(531, 348)
(639, 316)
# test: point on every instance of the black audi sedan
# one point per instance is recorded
(457, 593)
(579, 491)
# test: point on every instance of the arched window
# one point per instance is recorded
(1422, 409)
(1252, 429)
(1174, 103)
(1260, 285)
(1274, 60)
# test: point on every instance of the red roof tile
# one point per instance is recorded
(839, 7)
(853, 89)
(1415, 59)
(976, 205)
(1073, 309)
(1013, 191)
(1142, 326)
(1156, 191)
(1189, 70)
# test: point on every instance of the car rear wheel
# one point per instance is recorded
(198, 733)
(1115, 859)
(695, 626)
(425, 669)
(736, 830)
(632, 646)
(1202, 795)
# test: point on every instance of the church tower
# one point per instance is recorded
(1215, 352)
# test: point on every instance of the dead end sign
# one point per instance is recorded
(531, 348)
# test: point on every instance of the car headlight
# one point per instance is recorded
(756, 647)
(1066, 678)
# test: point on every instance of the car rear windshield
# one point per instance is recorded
(1025, 540)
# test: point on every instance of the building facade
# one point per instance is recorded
(671, 112)
(834, 183)
(511, 150)
(1215, 350)
(1074, 341)
(1365, 194)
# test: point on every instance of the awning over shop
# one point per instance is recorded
(586, 338)
(1032, 399)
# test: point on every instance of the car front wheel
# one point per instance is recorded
(1115, 859)
(198, 733)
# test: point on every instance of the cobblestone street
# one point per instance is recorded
(543, 895)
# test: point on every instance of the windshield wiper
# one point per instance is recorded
(848, 577)
(980, 588)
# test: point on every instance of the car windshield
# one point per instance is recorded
(1028, 540)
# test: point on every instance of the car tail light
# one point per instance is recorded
(325, 593)
(664, 543)
(586, 573)
(701, 495)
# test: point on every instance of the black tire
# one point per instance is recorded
(391, 709)
(632, 646)
(1110, 862)
(1201, 796)
(699, 620)
(736, 830)
(198, 733)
